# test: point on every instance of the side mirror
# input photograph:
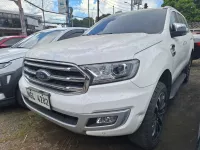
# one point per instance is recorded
(178, 29)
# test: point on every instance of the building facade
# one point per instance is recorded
(10, 23)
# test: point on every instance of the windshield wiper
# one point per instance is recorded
(18, 47)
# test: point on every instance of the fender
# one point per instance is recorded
(153, 62)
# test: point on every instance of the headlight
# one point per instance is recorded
(112, 72)
(3, 65)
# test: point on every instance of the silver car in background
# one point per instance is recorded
(11, 60)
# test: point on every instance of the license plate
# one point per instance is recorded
(38, 97)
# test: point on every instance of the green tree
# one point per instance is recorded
(187, 7)
(83, 23)
(102, 16)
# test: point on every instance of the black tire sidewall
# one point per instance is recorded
(143, 136)
(188, 67)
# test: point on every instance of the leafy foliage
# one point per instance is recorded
(102, 16)
(189, 8)
(83, 23)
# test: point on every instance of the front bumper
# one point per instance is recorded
(122, 99)
(8, 84)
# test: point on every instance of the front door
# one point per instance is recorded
(186, 40)
(177, 49)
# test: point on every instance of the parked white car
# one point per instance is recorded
(11, 60)
(115, 80)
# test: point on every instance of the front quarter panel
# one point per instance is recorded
(16, 64)
(153, 62)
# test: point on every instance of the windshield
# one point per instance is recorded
(148, 21)
(37, 38)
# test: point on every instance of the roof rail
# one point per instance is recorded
(166, 7)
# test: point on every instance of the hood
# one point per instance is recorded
(7, 54)
(96, 48)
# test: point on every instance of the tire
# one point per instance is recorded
(19, 99)
(187, 71)
(148, 135)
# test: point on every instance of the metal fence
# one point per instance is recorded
(194, 25)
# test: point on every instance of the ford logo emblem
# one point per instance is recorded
(43, 75)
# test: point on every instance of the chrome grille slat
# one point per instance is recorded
(29, 71)
(63, 77)
(69, 88)
(72, 79)
(51, 67)
(56, 77)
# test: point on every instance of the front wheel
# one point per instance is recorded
(187, 71)
(148, 135)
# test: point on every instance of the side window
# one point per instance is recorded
(71, 34)
(11, 42)
(76, 34)
(182, 20)
(186, 23)
(173, 19)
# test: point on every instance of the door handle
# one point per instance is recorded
(185, 42)
(173, 50)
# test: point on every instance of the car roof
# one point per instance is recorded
(133, 12)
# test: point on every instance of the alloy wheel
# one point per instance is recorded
(158, 115)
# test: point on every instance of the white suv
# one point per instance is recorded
(114, 80)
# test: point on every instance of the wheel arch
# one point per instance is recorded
(166, 78)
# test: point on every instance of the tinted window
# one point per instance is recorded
(37, 38)
(76, 34)
(186, 22)
(72, 34)
(144, 21)
(12, 41)
(173, 19)
(180, 19)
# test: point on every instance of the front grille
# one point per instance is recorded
(63, 77)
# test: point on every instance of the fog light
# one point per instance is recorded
(101, 121)
(8, 79)
(2, 96)
(106, 120)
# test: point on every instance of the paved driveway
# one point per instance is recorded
(24, 130)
